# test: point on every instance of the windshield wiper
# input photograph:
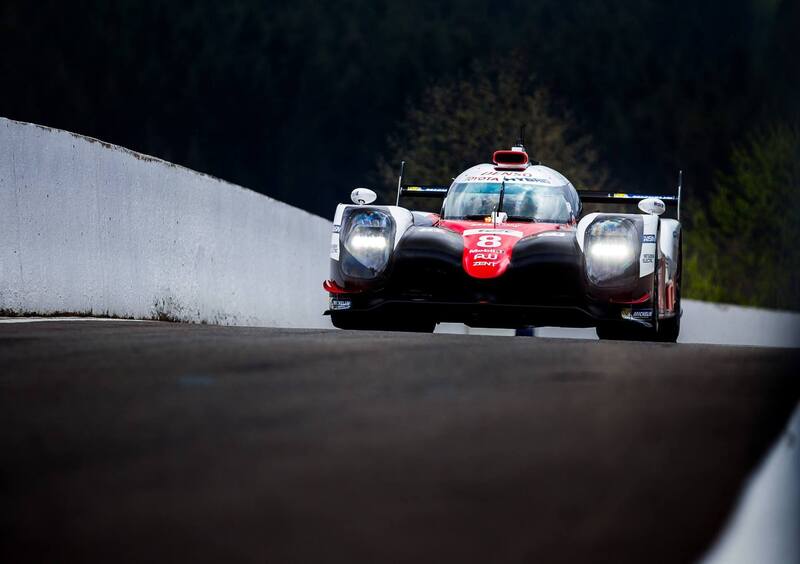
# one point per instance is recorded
(476, 216)
(522, 219)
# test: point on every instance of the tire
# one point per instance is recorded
(372, 322)
(610, 332)
(631, 331)
(669, 329)
(624, 332)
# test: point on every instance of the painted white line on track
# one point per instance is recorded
(765, 526)
(43, 319)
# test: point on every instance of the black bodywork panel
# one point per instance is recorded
(545, 284)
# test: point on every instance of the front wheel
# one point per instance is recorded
(625, 332)
(669, 329)
(665, 330)
(630, 330)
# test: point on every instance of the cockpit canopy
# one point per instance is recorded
(522, 201)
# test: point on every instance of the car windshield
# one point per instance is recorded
(522, 201)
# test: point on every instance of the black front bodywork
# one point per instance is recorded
(544, 285)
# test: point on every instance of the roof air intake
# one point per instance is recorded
(510, 160)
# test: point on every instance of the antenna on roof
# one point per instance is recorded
(400, 182)
(520, 145)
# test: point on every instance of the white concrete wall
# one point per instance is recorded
(765, 525)
(92, 228)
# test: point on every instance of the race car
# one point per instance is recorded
(510, 246)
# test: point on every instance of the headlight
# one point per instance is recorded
(611, 250)
(368, 242)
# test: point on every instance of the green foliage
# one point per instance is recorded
(743, 247)
(459, 123)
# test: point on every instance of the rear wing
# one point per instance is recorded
(587, 196)
(624, 201)
(617, 198)
(425, 198)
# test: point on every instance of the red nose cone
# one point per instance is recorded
(510, 159)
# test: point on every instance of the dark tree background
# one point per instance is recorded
(742, 247)
(458, 125)
(300, 100)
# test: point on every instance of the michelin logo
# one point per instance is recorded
(339, 304)
(639, 315)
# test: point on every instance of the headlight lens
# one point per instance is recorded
(611, 250)
(368, 242)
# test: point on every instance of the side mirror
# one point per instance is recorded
(653, 206)
(363, 196)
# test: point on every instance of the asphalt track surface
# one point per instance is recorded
(157, 442)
